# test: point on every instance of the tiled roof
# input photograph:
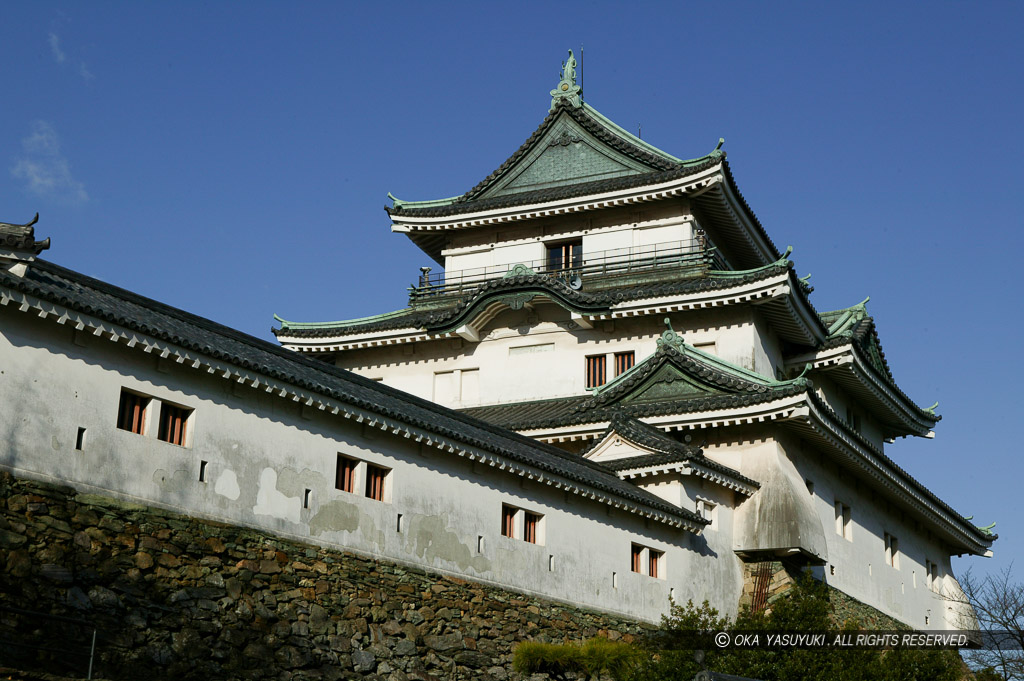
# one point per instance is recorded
(84, 294)
(448, 315)
(856, 328)
(727, 390)
(663, 167)
(666, 450)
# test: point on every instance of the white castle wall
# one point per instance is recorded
(263, 453)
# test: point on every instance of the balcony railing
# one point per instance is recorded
(694, 256)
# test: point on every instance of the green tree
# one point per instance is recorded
(805, 608)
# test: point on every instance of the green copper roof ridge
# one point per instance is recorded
(784, 261)
(846, 315)
(430, 203)
(285, 324)
(636, 141)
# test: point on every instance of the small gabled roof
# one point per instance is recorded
(663, 450)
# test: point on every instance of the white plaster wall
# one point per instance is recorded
(556, 367)
(494, 248)
(859, 563)
(262, 455)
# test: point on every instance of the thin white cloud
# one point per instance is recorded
(44, 169)
(61, 57)
(58, 54)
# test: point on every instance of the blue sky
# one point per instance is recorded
(233, 159)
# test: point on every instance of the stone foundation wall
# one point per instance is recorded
(174, 596)
(844, 608)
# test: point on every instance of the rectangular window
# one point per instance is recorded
(565, 256)
(596, 374)
(173, 421)
(203, 466)
(654, 559)
(375, 477)
(706, 509)
(80, 439)
(636, 558)
(508, 521)
(892, 551)
(932, 575)
(345, 478)
(531, 523)
(844, 524)
(131, 412)
(624, 362)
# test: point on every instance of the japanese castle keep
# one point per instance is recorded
(626, 306)
(612, 389)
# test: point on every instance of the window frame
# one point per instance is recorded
(844, 520)
(522, 524)
(562, 256)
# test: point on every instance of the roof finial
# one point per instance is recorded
(567, 89)
(669, 336)
(18, 246)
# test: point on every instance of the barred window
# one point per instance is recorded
(530, 523)
(131, 412)
(375, 478)
(636, 562)
(173, 422)
(596, 373)
(654, 562)
(624, 362)
(508, 521)
(345, 476)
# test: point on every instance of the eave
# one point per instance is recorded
(779, 295)
(811, 418)
(891, 407)
(821, 425)
(690, 467)
(773, 410)
(687, 185)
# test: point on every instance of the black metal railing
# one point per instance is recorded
(59, 643)
(694, 256)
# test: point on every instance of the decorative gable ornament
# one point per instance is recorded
(567, 91)
(18, 246)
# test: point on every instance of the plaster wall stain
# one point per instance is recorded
(270, 501)
(177, 481)
(431, 539)
(291, 482)
(335, 516)
(227, 485)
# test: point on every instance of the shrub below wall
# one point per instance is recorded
(178, 597)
